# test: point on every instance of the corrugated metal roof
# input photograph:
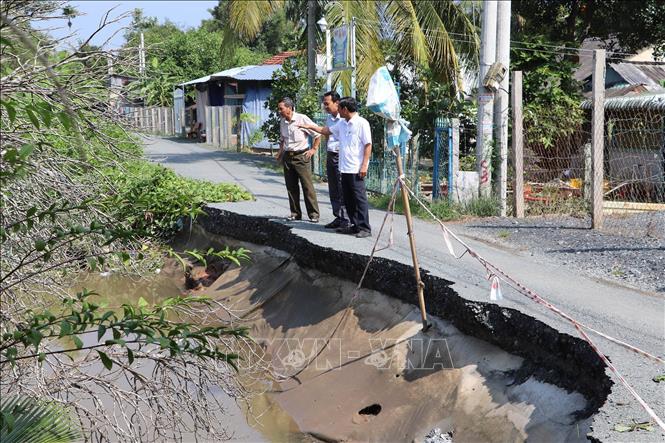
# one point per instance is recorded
(649, 74)
(263, 72)
(231, 73)
(250, 72)
(195, 81)
(630, 90)
(654, 102)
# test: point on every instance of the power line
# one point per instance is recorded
(565, 50)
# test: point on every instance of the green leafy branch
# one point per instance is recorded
(233, 255)
(141, 325)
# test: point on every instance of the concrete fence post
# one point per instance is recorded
(174, 130)
(227, 128)
(208, 118)
(518, 145)
(453, 166)
(598, 135)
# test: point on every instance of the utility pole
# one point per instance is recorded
(311, 42)
(486, 99)
(141, 56)
(501, 103)
(328, 61)
(353, 57)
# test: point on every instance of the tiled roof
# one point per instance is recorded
(278, 59)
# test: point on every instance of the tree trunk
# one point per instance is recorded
(311, 42)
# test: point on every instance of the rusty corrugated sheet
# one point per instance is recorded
(649, 74)
(652, 102)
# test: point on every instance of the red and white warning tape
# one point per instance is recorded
(495, 274)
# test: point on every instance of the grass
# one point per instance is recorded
(442, 209)
(618, 272)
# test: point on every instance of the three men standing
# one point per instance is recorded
(355, 147)
(295, 154)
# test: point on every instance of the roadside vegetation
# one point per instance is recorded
(77, 197)
(442, 209)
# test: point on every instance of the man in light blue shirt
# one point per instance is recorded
(330, 104)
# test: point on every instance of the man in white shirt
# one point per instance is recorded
(295, 155)
(331, 105)
(355, 148)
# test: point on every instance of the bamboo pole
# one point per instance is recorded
(412, 242)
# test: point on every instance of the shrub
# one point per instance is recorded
(154, 198)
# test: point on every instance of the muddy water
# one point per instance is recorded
(257, 418)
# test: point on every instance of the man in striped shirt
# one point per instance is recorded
(295, 154)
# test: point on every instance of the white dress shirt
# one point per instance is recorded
(353, 136)
(333, 143)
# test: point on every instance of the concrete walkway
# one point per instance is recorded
(633, 316)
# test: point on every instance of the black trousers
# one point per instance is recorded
(298, 172)
(355, 199)
(335, 186)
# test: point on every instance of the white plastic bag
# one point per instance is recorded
(382, 98)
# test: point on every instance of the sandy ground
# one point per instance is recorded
(361, 369)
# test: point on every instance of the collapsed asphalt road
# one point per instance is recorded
(634, 316)
(359, 368)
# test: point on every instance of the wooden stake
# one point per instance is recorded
(412, 242)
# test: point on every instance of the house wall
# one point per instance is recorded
(249, 97)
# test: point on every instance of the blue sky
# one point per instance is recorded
(185, 14)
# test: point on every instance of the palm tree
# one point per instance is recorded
(439, 36)
(23, 419)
